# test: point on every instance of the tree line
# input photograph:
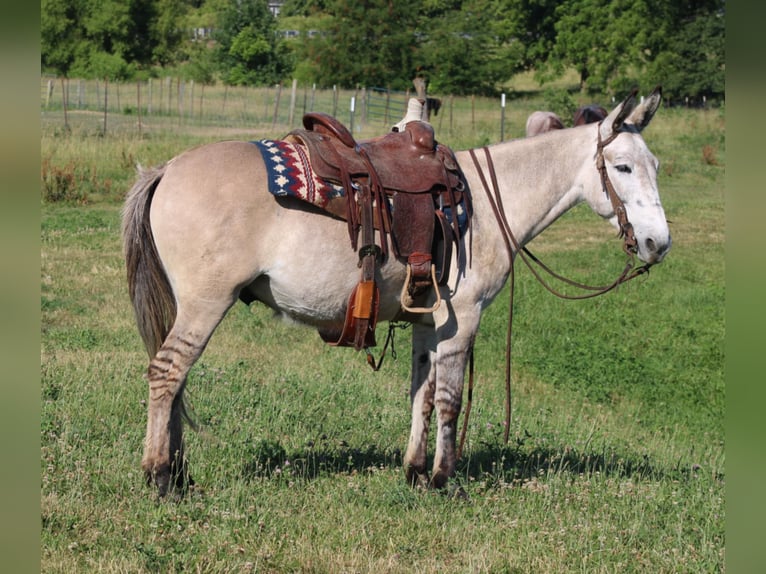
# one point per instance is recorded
(459, 46)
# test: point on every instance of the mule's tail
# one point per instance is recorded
(150, 292)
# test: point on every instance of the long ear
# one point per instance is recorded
(612, 123)
(643, 114)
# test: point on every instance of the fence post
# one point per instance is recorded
(49, 93)
(138, 105)
(65, 100)
(363, 107)
(386, 115)
(180, 89)
(169, 82)
(502, 116)
(293, 94)
(106, 100)
(191, 99)
(450, 115)
(334, 100)
(276, 105)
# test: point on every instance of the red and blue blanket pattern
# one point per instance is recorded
(289, 173)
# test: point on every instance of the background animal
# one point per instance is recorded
(588, 114)
(540, 122)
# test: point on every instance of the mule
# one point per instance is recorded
(588, 114)
(202, 231)
(540, 122)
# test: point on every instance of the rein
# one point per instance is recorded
(630, 246)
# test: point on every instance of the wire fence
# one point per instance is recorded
(279, 107)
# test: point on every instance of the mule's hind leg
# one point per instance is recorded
(163, 461)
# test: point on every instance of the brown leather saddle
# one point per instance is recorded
(397, 186)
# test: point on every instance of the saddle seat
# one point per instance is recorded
(399, 185)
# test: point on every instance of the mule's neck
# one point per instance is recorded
(540, 178)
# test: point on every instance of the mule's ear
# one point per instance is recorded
(612, 123)
(644, 112)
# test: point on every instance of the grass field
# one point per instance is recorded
(616, 460)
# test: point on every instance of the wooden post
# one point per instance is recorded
(64, 100)
(191, 99)
(276, 105)
(313, 96)
(138, 105)
(334, 100)
(169, 82)
(180, 97)
(502, 116)
(388, 107)
(106, 101)
(363, 107)
(291, 112)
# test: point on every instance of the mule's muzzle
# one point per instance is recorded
(654, 250)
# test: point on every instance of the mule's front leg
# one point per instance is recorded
(422, 402)
(451, 358)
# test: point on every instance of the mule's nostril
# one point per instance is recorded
(650, 245)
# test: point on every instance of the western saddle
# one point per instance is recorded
(405, 186)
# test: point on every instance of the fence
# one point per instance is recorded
(368, 110)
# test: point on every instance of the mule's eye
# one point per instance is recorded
(622, 168)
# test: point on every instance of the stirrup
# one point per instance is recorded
(405, 293)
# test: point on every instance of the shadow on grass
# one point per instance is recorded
(488, 462)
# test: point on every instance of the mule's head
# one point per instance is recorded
(631, 169)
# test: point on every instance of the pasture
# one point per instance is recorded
(616, 458)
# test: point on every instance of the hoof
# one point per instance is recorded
(169, 481)
(440, 480)
(416, 478)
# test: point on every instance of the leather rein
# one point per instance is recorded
(630, 246)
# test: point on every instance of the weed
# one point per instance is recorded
(61, 184)
(709, 155)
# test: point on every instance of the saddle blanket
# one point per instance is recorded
(289, 173)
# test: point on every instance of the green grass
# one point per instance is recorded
(616, 459)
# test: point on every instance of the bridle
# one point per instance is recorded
(630, 246)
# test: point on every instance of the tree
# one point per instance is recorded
(466, 50)
(616, 44)
(60, 34)
(248, 48)
(369, 43)
(693, 63)
(601, 39)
